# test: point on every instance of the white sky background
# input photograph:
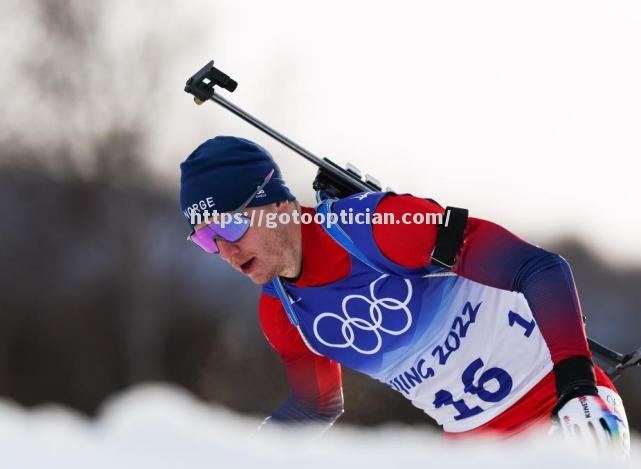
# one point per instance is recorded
(528, 113)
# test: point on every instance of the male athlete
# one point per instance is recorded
(494, 343)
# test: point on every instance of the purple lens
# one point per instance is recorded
(205, 238)
(232, 232)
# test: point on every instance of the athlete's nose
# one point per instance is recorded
(227, 250)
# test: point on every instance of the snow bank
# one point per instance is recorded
(164, 427)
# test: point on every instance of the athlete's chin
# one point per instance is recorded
(259, 277)
(259, 280)
(259, 271)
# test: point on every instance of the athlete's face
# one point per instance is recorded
(263, 252)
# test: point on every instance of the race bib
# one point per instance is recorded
(487, 353)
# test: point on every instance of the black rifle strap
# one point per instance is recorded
(450, 236)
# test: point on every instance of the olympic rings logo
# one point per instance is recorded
(349, 325)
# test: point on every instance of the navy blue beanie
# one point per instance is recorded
(223, 172)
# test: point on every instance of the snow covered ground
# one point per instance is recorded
(163, 427)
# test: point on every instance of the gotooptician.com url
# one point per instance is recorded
(272, 219)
